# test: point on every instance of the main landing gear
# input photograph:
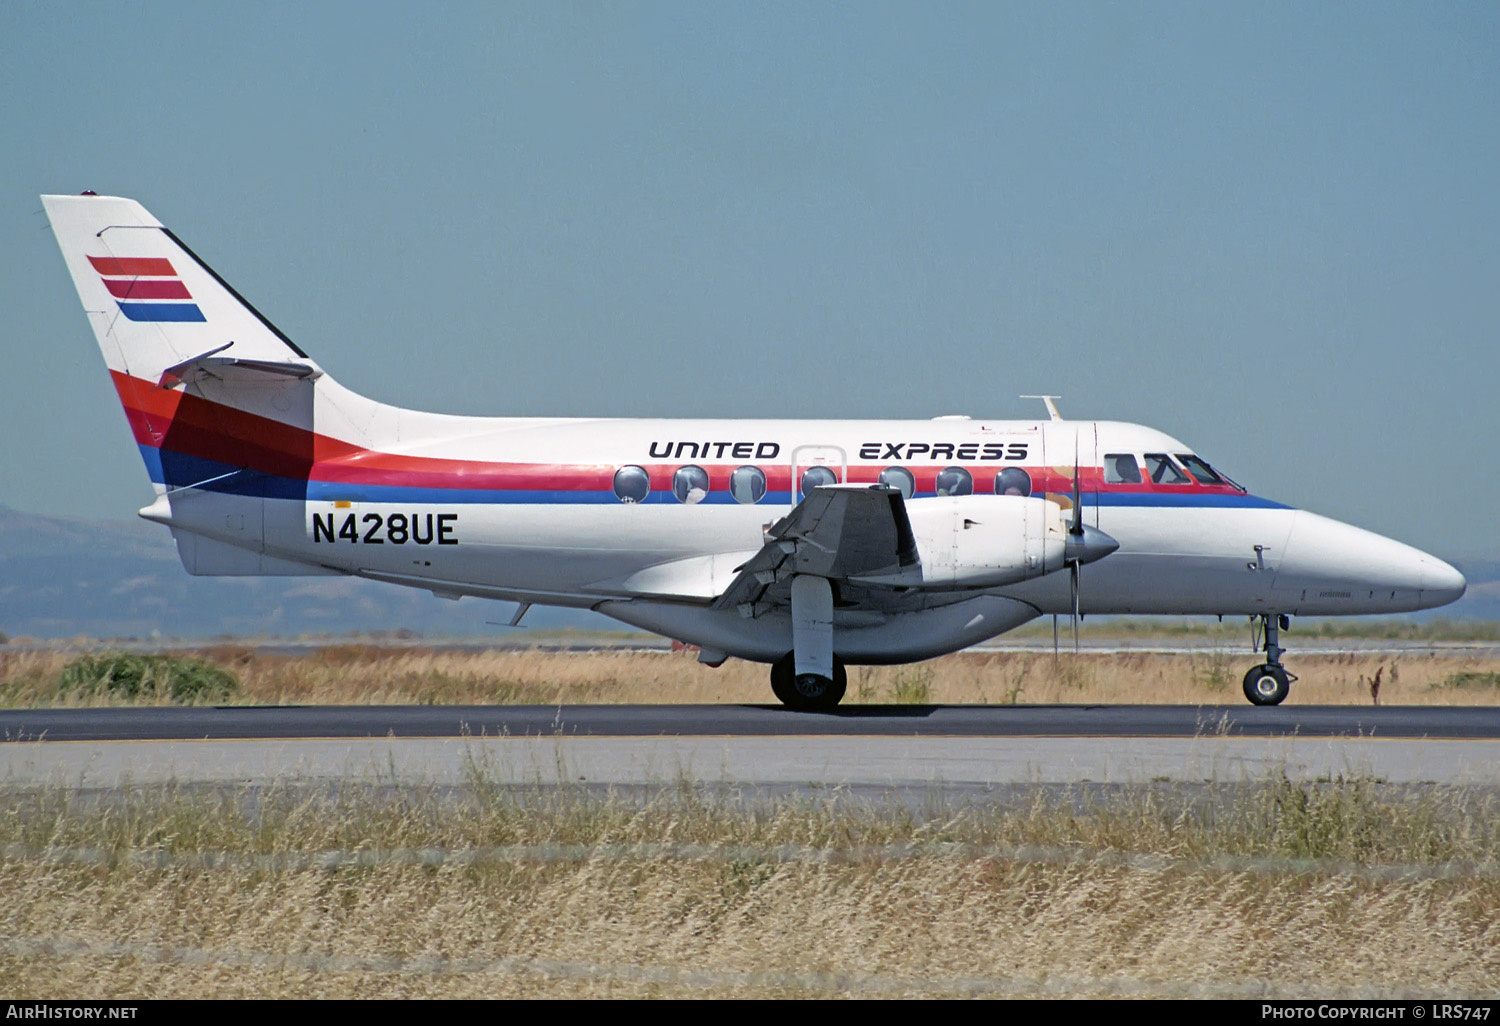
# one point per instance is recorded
(810, 676)
(1269, 684)
(807, 692)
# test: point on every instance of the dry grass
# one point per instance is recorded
(373, 675)
(616, 916)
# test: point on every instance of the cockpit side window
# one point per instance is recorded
(1121, 468)
(1162, 470)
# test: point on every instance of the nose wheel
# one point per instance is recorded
(1267, 685)
(1271, 683)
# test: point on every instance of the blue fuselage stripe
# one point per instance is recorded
(1200, 500)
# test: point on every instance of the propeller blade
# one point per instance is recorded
(1073, 582)
(1054, 641)
(1075, 531)
(1076, 527)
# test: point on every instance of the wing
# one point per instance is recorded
(836, 531)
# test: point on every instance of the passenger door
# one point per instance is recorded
(824, 461)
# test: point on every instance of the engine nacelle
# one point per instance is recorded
(982, 541)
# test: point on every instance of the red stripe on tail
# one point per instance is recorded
(138, 288)
(158, 267)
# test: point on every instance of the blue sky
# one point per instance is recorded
(1270, 230)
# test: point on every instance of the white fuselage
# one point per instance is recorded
(543, 524)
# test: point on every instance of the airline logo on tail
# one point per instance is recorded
(147, 288)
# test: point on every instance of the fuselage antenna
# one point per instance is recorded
(1051, 406)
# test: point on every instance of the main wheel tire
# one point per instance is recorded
(809, 692)
(784, 680)
(1267, 685)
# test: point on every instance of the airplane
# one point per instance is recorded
(810, 545)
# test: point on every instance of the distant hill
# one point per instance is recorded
(61, 577)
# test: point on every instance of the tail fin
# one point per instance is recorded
(212, 390)
(152, 302)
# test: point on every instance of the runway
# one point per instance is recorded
(1003, 721)
(966, 749)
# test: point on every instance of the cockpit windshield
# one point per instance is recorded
(1202, 472)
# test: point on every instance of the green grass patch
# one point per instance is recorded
(913, 686)
(159, 677)
(1213, 670)
(1487, 680)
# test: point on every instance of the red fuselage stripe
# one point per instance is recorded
(171, 419)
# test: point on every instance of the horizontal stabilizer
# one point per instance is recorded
(231, 368)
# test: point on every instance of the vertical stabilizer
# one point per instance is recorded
(216, 396)
(152, 303)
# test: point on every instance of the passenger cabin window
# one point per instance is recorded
(1200, 470)
(817, 477)
(1013, 481)
(954, 481)
(1121, 468)
(899, 478)
(632, 484)
(1162, 470)
(748, 485)
(690, 484)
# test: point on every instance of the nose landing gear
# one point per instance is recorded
(1270, 684)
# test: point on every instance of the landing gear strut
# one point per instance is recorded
(1269, 684)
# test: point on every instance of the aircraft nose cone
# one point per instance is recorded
(1335, 568)
(1088, 547)
(1441, 582)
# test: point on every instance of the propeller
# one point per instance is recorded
(1084, 545)
(1075, 538)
